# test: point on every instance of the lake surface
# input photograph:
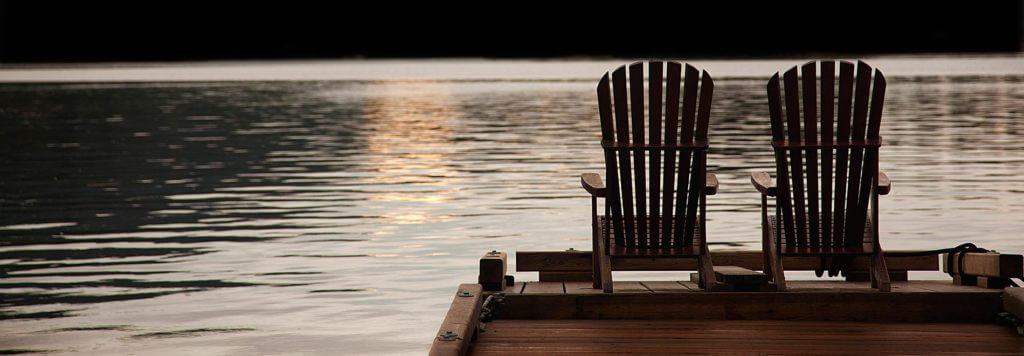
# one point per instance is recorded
(261, 216)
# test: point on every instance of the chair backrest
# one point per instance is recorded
(853, 139)
(649, 177)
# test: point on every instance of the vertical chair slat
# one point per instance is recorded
(855, 212)
(796, 161)
(671, 133)
(842, 136)
(828, 77)
(870, 175)
(654, 117)
(809, 79)
(612, 201)
(707, 88)
(783, 200)
(636, 96)
(686, 136)
(622, 136)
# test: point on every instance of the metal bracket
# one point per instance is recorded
(448, 336)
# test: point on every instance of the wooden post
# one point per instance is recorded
(989, 264)
(986, 270)
(493, 267)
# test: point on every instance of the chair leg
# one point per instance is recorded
(603, 274)
(707, 270)
(880, 272)
(777, 273)
(606, 273)
(595, 249)
(766, 263)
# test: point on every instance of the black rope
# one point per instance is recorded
(839, 264)
(959, 252)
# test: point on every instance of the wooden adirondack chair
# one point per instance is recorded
(841, 228)
(656, 185)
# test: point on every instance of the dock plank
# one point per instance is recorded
(580, 261)
(581, 288)
(552, 337)
(515, 288)
(544, 288)
(665, 286)
(917, 301)
(629, 287)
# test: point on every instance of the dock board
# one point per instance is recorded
(615, 337)
(909, 302)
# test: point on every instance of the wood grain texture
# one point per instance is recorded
(566, 261)
(462, 319)
(616, 337)
(913, 301)
(986, 264)
(493, 267)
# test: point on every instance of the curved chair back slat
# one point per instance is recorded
(655, 152)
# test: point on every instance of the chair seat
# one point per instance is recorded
(866, 247)
(662, 250)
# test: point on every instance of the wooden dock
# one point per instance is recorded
(670, 317)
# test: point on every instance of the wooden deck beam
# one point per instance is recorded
(989, 264)
(460, 324)
(580, 261)
(845, 305)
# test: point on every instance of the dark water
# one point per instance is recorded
(337, 217)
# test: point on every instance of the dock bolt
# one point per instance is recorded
(448, 336)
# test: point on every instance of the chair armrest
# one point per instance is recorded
(763, 182)
(884, 184)
(593, 184)
(710, 184)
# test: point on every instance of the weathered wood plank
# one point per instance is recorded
(1013, 301)
(828, 78)
(614, 337)
(557, 276)
(782, 172)
(862, 304)
(493, 267)
(460, 323)
(581, 288)
(796, 163)
(580, 261)
(636, 97)
(515, 288)
(864, 275)
(613, 198)
(665, 286)
(845, 106)
(809, 77)
(544, 288)
(629, 287)
(671, 133)
(739, 275)
(655, 135)
(985, 264)
(683, 231)
(622, 137)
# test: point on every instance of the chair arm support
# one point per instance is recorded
(710, 184)
(593, 184)
(884, 184)
(763, 182)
